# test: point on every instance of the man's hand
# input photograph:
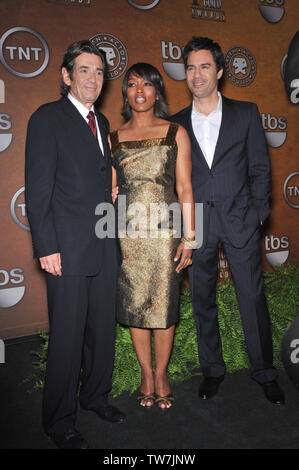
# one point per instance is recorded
(51, 264)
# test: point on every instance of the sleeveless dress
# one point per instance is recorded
(148, 287)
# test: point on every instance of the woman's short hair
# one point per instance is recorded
(199, 43)
(73, 51)
(150, 73)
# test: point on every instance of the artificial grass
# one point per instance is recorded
(282, 293)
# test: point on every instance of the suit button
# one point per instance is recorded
(103, 168)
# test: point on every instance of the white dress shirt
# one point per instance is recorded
(84, 112)
(206, 129)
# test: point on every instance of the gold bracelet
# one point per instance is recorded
(189, 243)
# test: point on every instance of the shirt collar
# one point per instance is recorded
(80, 107)
(216, 110)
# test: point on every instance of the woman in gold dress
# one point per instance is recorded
(152, 166)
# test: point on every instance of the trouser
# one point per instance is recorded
(82, 334)
(246, 269)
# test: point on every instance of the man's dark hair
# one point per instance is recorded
(150, 73)
(197, 44)
(73, 51)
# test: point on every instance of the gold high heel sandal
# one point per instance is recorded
(150, 397)
(167, 400)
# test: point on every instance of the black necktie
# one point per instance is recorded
(92, 123)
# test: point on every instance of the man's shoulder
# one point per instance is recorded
(181, 116)
(240, 104)
(47, 109)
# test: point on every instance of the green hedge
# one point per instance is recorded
(282, 293)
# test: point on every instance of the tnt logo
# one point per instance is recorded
(277, 249)
(291, 190)
(172, 53)
(24, 52)
(18, 209)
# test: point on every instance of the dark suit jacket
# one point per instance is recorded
(239, 179)
(66, 178)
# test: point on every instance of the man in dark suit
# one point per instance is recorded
(68, 173)
(231, 177)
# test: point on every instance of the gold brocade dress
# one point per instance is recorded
(148, 286)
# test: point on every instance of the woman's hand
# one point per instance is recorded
(114, 193)
(185, 254)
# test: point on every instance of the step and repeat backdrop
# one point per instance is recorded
(255, 36)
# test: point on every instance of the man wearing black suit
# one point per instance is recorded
(231, 177)
(68, 173)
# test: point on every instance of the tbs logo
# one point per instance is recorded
(172, 53)
(5, 137)
(272, 10)
(10, 296)
(5, 122)
(277, 249)
(275, 130)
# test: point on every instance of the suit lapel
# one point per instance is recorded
(103, 136)
(227, 123)
(80, 126)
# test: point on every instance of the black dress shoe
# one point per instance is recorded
(71, 439)
(109, 413)
(209, 387)
(274, 393)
